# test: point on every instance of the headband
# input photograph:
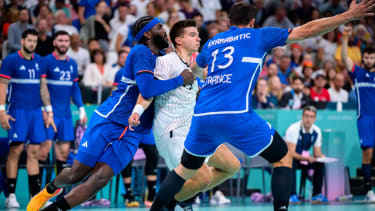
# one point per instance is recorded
(146, 28)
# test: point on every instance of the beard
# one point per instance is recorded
(61, 51)
(368, 67)
(28, 51)
(160, 42)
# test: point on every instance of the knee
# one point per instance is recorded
(203, 177)
(33, 154)
(286, 161)
(43, 155)
(234, 167)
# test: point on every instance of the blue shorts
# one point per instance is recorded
(247, 132)
(147, 139)
(366, 131)
(107, 142)
(65, 129)
(28, 127)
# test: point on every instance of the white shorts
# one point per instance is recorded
(171, 145)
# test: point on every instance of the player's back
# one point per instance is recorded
(235, 59)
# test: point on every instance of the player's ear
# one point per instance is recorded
(147, 34)
(178, 40)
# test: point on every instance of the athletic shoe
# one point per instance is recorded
(183, 208)
(148, 204)
(370, 196)
(131, 202)
(319, 199)
(294, 199)
(11, 201)
(40, 199)
(220, 198)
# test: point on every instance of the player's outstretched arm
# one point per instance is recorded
(141, 105)
(344, 48)
(321, 26)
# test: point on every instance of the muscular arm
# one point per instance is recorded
(44, 93)
(321, 26)
(150, 87)
(344, 49)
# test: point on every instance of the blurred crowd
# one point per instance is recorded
(306, 73)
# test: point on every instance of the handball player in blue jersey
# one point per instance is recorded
(107, 145)
(364, 83)
(62, 82)
(23, 80)
(223, 110)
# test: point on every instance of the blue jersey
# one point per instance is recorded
(364, 82)
(120, 105)
(62, 81)
(235, 59)
(24, 75)
(118, 77)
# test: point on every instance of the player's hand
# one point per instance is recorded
(360, 10)
(348, 31)
(50, 122)
(83, 121)
(134, 121)
(4, 119)
(188, 77)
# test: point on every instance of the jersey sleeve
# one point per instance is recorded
(272, 37)
(202, 58)
(355, 71)
(291, 135)
(162, 70)
(7, 68)
(144, 62)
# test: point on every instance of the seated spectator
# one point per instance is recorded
(295, 99)
(275, 89)
(318, 93)
(276, 55)
(93, 45)
(328, 45)
(123, 18)
(122, 56)
(261, 13)
(203, 34)
(300, 137)
(284, 69)
(87, 8)
(261, 99)
(279, 19)
(170, 6)
(150, 9)
(210, 9)
(337, 93)
(297, 55)
(272, 70)
(331, 74)
(63, 23)
(60, 6)
(307, 71)
(44, 45)
(15, 31)
(98, 73)
(188, 10)
(334, 7)
(79, 54)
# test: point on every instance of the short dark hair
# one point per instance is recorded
(92, 56)
(296, 77)
(241, 13)
(139, 24)
(309, 108)
(61, 32)
(123, 4)
(29, 31)
(369, 49)
(177, 29)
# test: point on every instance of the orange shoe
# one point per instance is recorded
(40, 199)
(148, 204)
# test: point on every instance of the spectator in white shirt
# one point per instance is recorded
(279, 19)
(122, 18)
(170, 6)
(98, 73)
(337, 93)
(63, 23)
(210, 9)
(79, 54)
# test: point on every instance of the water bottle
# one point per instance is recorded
(339, 106)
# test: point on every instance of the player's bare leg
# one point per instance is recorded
(62, 153)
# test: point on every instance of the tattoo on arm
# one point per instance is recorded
(44, 94)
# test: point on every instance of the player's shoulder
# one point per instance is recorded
(71, 60)
(140, 49)
(12, 56)
(168, 57)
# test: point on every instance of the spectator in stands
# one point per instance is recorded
(122, 55)
(60, 6)
(277, 53)
(331, 74)
(336, 92)
(333, 6)
(170, 6)
(273, 69)
(159, 6)
(209, 9)
(261, 99)
(40, 11)
(223, 25)
(97, 26)
(15, 31)
(304, 13)
(300, 137)
(98, 73)
(284, 69)
(275, 89)
(318, 93)
(295, 99)
(279, 19)
(203, 34)
(261, 13)
(79, 54)
(123, 18)
(172, 19)
(140, 6)
(13, 10)
(328, 45)
(87, 8)
(51, 22)
(188, 10)
(150, 9)
(297, 55)
(93, 45)
(307, 71)
(63, 23)
(354, 52)
(44, 45)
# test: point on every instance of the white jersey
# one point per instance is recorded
(175, 108)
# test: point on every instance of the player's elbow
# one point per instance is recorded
(146, 92)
